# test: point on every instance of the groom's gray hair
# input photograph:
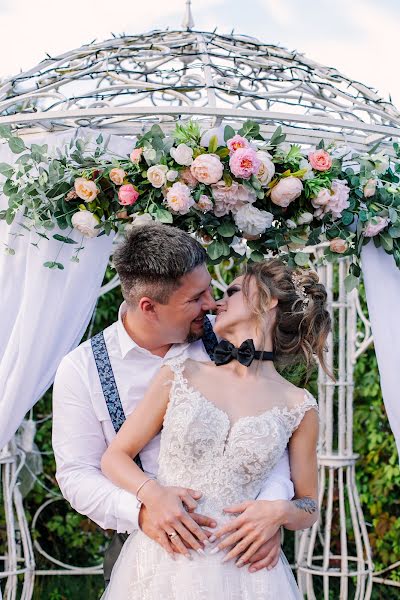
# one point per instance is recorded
(152, 260)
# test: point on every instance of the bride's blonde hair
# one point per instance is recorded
(302, 322)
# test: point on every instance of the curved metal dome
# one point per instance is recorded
(126, 82)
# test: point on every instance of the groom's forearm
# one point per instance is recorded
(93, 495)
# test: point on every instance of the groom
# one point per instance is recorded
(166, 288)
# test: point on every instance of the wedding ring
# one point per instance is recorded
(172, 535)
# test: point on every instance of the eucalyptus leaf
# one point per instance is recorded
(256, 256)
(350, 283)
(393, 215)
(16, 145)
(53, 265)
(6, 170)
(227, 229)
(215, 250)
(229, 133)
(163, 215)
(301, 259)
(65, 240)
(347, 217)
(387, 241)
(394, 232)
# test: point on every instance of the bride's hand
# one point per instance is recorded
(166, 514)
(258, 521)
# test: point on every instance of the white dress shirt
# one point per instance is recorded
(82, 427)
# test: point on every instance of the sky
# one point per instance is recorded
(358, 37)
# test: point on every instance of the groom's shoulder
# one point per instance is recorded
(82, 355)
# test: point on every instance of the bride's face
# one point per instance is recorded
(233, 310)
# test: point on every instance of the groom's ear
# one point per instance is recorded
(147, 306)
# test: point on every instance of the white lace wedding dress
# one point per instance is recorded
(200, 449)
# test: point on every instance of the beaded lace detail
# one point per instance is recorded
(201, 448)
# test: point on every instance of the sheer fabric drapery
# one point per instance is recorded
(43, 312)
(382, 287)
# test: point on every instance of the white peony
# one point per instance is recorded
(239, 246)
(291, 224)
(253, 221)
(182, 154)
(207, 135)
(85, 222)
(305, 218)
(381, 162)
(305, 165)
(267, 168)
(157, 175)
(149, 154)
(142, 219)
(172, 175)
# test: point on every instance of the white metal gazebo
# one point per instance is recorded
(126, 83)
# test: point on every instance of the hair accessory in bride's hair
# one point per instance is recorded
(300, 289)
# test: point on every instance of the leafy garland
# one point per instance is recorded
(242, 195)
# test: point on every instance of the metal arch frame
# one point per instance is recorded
(220, 78)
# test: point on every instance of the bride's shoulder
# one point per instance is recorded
(291, 395)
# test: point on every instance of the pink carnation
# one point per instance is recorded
(127, 194)
(244, 163)
(320, 160)
(375, 226)
(237, 142)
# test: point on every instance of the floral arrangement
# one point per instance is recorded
(242, 195)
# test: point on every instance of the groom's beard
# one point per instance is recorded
(193, 336)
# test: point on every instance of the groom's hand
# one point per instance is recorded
(173, 512)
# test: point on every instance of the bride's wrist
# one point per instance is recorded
(147, 490)
(281, 511)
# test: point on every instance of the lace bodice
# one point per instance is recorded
(201, 449)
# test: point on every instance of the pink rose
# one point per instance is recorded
(338, 245)
(338, 200)
(286, 190)
(136, 155)
(370, 188)
(127, 194)
(207, 168)
(117, 176)
(320, 160)
(237, 142)
(375, 226)
(244, 163)
(187, 178)
(179, 199)
(230, 198)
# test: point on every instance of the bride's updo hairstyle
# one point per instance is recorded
(302, 323)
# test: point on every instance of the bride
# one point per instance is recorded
(225, 424)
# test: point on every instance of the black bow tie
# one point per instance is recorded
(224, 352)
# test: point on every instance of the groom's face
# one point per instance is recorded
(182, 319)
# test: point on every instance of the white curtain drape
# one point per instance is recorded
(382, 286)
(43, 312)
